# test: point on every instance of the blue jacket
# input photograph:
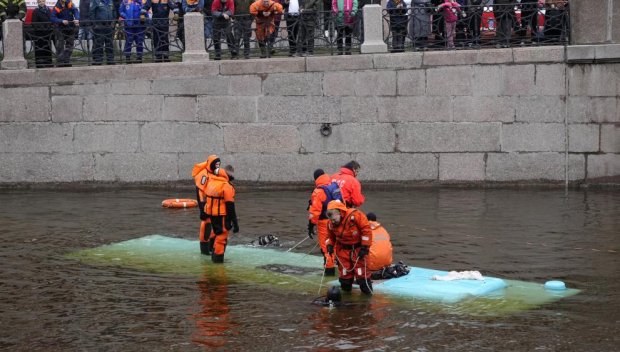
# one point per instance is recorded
(102, 10)
(130, 11)
(66, 12)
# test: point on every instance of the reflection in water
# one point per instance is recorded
(213, 322)
(357, 324)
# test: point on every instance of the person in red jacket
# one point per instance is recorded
(350, 186)
(323, 193)
(350, 237)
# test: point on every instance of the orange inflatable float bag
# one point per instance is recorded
(381, 248)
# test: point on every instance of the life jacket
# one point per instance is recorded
(332, 191)
(216, 196)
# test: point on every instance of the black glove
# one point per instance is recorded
(362, 253)
(330, 249)
(231, 217)
(311, 227)
(235, 226)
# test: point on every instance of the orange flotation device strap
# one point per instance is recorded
(179, 203)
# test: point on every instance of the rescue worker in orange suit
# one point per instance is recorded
(220, 207)
(349, 237)
(349, 185)
(317, 219)
(265, 12)
(200, 173)
(380, 254)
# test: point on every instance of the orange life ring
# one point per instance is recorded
(179, 203)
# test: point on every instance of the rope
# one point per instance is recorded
(300, 242)
(321, 285)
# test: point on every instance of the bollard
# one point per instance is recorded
(13, 40)
(193, 24)
(373, 30)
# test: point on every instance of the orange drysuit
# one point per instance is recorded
(317, 216)
(350, 187)
(201, 177)
(220, 207)
(380, 254)
(265, 25)
(352, 235)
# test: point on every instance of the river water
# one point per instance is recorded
(49, 302)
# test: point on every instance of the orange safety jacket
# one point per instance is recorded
(354, 229)
(265, 24)
(318, 198)
(380, 254)
(219, 192)
(350, 187)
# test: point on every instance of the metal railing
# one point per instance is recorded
(415, 25)
(306, 34)
(422, 26)
(102, 42)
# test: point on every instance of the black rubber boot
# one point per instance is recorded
(365, 285)
(217, 258)
(346, 284)
(205, 248)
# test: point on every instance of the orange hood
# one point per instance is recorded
(210, 161)
(198, 168)
(347, 171)
(323, 180)
(336, 204)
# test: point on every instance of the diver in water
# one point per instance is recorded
(331, 300)
(266, 241)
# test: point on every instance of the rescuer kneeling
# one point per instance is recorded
(349, 237)
(380, 255)
(220, 207)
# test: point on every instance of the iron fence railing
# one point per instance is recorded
(408, 25)
(419, 25)
(102, 42)
(305, 34)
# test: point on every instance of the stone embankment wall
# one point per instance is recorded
(505, 115)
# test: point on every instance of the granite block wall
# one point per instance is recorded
(505, 115)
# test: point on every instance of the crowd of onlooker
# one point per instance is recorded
(500, 23)
(420, 24)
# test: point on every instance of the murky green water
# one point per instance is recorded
(49, 302)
